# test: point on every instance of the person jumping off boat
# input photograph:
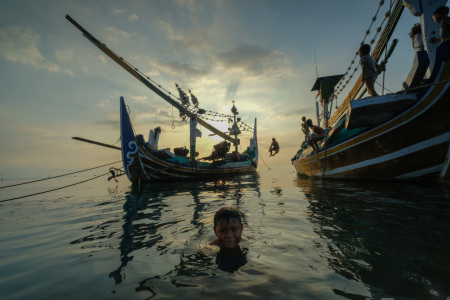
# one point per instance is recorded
(274, 147)
(368, 67)
(317, 134)
(305, 127)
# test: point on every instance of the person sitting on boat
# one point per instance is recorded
(368, 67)
(274, 147)
(219, 152)
(243, 156)
(317, 134)
(305, 127)
(441, 17)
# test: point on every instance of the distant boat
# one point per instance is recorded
(146, 161)
(404, 135)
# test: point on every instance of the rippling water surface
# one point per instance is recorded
(304, 239)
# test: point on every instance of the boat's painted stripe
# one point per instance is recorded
(151, 165)
(418, 173)
(433, 95)
(394, 155)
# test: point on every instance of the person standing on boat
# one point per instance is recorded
(440, 15)
(317, 134)
(274, 147)
(369, 69)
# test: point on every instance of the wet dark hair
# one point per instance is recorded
(441, 10)
(309, 122)
(227, 213)
(365, 49)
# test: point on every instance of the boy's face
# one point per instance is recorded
(228, 233)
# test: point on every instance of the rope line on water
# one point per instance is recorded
(60, 188)
(3, 187)
(263, 160)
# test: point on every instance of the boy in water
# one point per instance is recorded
(227, 227)
(369, 67)
(440, 16)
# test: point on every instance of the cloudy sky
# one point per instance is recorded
(264, 54)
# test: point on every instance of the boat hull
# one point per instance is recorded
(147, 167)
(411, 145)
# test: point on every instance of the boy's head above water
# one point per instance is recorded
(227, 227)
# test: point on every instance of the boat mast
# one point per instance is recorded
(193, 134)
(135, 72)
(235, 129)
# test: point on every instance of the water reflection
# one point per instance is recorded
(171, 222)
(392, 237)
(230, 260)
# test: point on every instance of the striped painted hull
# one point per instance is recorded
(147, 167)
(412, 145)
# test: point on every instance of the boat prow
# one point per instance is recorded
(128, 144)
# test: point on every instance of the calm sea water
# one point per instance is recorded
(304, 239)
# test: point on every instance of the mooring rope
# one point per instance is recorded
(263, 161)
(3, 187)
(60, 188)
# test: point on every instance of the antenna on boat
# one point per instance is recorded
(317, 104)
(315, 62)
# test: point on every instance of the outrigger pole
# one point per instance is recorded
(119, 60)
(96, 143)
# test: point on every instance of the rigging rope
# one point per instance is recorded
(385, 51)
(384, 88)
(378, 30)
(23, 183)
(173, 120)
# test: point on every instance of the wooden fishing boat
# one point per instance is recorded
(145, 161)
(404, 135)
